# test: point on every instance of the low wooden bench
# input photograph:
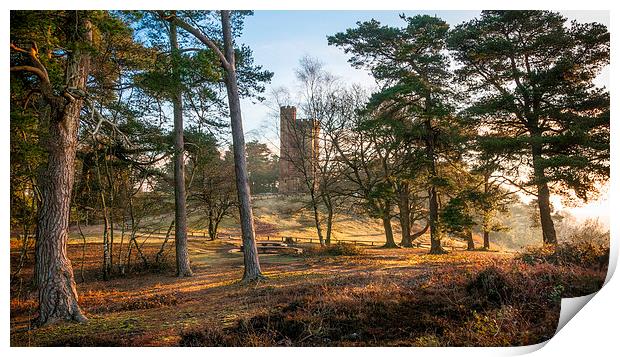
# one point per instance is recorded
(271, 244)
(275, 249)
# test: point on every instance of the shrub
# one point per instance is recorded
(427, 341)
(492, 285)
(208, 336)
(131, 303)
(500, 305)
(583, 254)
(338, 249)
(589, 231)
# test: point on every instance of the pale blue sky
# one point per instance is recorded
(280, 38)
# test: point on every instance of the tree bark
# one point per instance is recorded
(227, 58)
(215, 227)
(57, 293)
(469, 236)
(132, 237)
(214, 220)
(250, 253)
(415, 235)
(487, 244)
(434, 223)
(403, 207)
(106, 224)
(317, 219)
(212, 230)
(387, 226)
(433, 201)
(544, 206)
(330, 222)
(121, 267)
(110, 216)
(160, 253)
(83, 248)
(180, 209)
(548, 229)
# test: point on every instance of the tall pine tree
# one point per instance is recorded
(411, 65)
(61, 60)
(530, 76)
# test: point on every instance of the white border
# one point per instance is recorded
(592, 331)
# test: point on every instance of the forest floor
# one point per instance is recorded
(365, 297)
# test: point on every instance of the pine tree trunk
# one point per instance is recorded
(487, 244)
(54, 274)
(57, 293)
(180, 217)
(403, 207)
(544, 206)
(433, 206)
(548, 229)
(434, 222)
(250, 253)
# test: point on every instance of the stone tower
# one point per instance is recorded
(299, 151)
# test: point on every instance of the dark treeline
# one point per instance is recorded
(119, 117)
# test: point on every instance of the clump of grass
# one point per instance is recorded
(137, 303)
(157, 300)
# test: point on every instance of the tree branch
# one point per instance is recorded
(38, 68)
(199, 35)
(102, 119)
(30, 69)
